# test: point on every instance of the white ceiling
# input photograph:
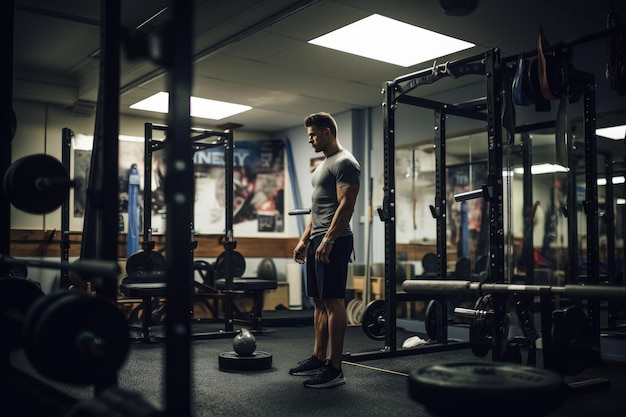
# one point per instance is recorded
(255, 52)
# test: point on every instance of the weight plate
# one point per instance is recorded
(373, 321)
(30, 319)
(485, 389)
(139, 263)
(238, 264)
(77, 338)
(159, 263)
(267, 270)
(572, 339)
(357, 312)
(433, 316)
(429, 263)
(480, 338)
(232, 362)
(24, 189)
(17, 295)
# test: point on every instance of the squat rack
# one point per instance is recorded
(490, 110)
(483, 109)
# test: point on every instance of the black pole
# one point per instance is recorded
(439, 211)
(147, 244)
(528, 247)
(179, 197)
(6, 110)
(66, 143)
(389, 215)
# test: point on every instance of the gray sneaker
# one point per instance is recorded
(308, 367)
(331, 377)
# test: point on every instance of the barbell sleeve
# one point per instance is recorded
(468, 195)
(297, 212)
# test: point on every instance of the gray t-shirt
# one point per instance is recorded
(339, 169)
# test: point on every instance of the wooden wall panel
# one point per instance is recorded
(48, 243)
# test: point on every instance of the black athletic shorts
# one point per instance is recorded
(329, 280)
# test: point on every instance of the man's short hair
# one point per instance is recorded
(321, 121)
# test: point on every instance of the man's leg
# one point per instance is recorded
(337, 325)
(320, 325)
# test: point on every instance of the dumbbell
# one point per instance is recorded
(68, 336)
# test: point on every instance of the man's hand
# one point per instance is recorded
(299, 253)
(322, 254)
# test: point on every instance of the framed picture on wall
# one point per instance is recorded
(258, 192)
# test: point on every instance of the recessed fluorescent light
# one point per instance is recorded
(620, 201)
(200, 107)
(388, 40)
(542, 169)
(613, 132)
(614, 180)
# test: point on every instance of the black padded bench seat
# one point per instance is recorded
(247, 284)
(143, 289)
(245, 287)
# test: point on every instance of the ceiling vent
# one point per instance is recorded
(458, 7)
(84, 108)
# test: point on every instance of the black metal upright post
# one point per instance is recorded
(591, 205)
(527, 249)
(66, 143)
(229, 241)
(439, 212)
(6, 111)
(389, 215)
(147, 244)
(495, 193)
(179, 196)
(572, 216)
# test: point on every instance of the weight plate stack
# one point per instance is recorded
(485, 389)
(233, 362)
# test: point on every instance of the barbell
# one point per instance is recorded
(68, 336)
(464, 287)
(93, 267)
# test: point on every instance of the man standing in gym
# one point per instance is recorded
(327, 246)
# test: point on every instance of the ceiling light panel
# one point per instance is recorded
(388, 40)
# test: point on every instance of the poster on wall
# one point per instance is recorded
(258, 179)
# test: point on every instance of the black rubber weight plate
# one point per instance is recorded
(66, 323)
(485, 389)
(21, 184)
(232, 362)
(16, 294)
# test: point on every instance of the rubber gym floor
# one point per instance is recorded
(374, 387)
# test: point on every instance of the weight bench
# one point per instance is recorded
(241, 288)
(245, 288)
(147, 292)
